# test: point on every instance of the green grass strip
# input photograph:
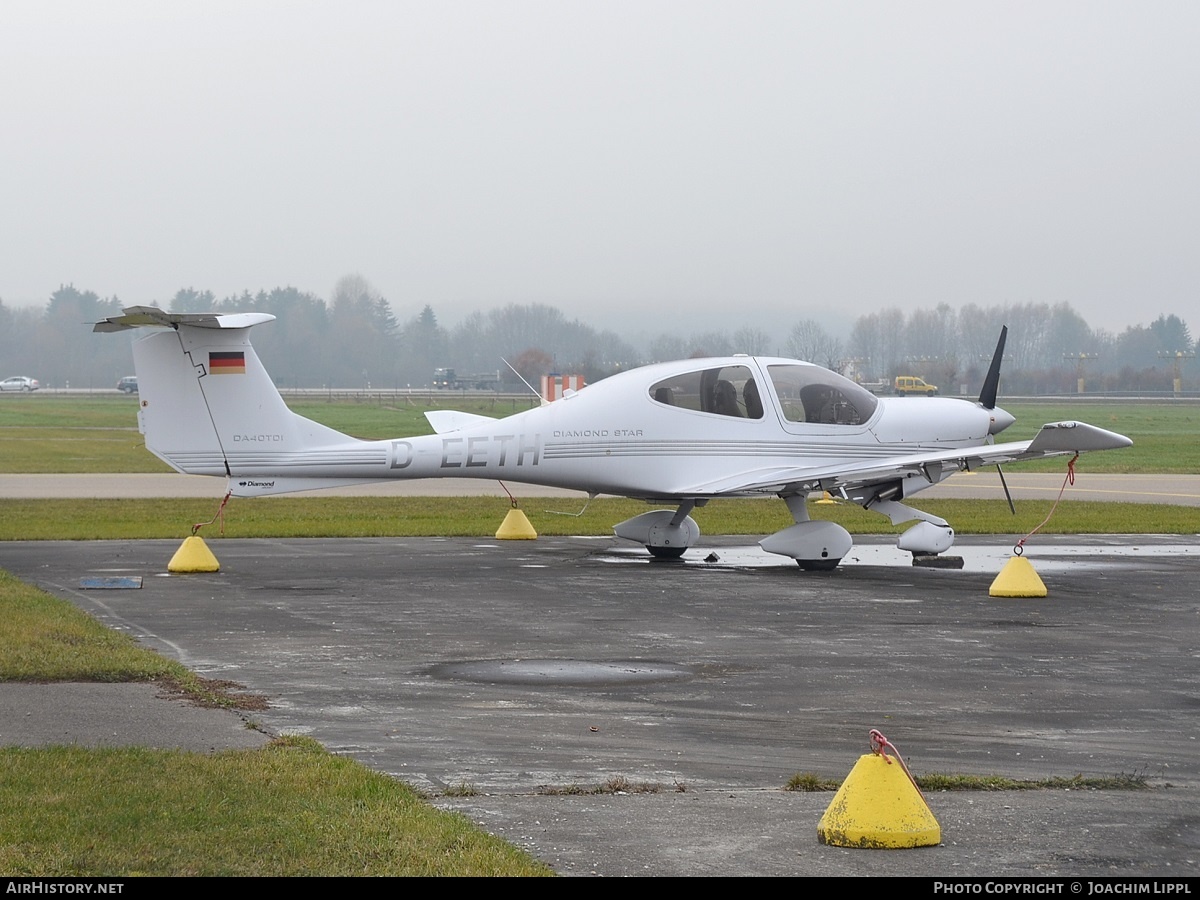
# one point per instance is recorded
(291, 517)
(289, 809)
(47, 639)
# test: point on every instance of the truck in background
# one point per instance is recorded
(449, 380)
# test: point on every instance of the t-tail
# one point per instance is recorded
(208, 407)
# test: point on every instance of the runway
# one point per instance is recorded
(522, 674)
(1181, 490)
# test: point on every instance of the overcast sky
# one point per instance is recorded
(663, 165)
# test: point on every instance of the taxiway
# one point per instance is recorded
(525, 673)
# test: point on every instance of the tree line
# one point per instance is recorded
(355, 341)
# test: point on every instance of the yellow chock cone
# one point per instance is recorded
(878, 807)
(193, 555)
(826, 498)
(1017, 579)
(516, 527)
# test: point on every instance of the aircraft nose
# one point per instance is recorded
(1000, 420)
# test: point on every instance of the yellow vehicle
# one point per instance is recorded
(911, 384)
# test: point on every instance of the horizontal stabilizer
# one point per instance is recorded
(153, 317)
(447, 420)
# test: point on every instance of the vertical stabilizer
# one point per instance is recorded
(208, 407)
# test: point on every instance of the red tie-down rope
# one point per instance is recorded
(220, 515)
(1070, 479)
(879, 744)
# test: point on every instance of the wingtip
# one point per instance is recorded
(1078, 437)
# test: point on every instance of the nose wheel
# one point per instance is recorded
(665, 552)
(818, 565)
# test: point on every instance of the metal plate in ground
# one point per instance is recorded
(111, 583)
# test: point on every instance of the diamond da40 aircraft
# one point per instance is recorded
(676, 434)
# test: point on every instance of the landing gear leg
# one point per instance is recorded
(930, 536)
(816, 546)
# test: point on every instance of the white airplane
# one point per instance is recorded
(678, 433)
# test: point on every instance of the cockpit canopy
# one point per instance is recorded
(804, 393)
(724, 390)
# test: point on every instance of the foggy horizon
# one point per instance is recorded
(641, 167)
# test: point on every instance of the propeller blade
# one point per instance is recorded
(991, 384)
(1007, 495)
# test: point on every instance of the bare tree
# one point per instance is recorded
(753, 341)
(809, 341)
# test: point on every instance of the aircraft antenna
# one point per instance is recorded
(523, 381)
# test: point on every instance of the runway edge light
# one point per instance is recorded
(516, 527)
(1017, 579)
(193, 555)
(879, 806)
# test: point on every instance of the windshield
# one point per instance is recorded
(813, 394)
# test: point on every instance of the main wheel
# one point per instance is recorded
(666, 552)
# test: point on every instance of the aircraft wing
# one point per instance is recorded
(1054, 439)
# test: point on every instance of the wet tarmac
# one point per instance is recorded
(508, 679)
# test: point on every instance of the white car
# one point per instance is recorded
(19, 383)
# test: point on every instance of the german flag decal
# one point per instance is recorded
(227, 363)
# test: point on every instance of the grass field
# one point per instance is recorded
(48, 433)
(1166, 435)
(290, 809)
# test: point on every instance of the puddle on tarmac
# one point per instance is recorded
(559, 671)
(976, 557)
